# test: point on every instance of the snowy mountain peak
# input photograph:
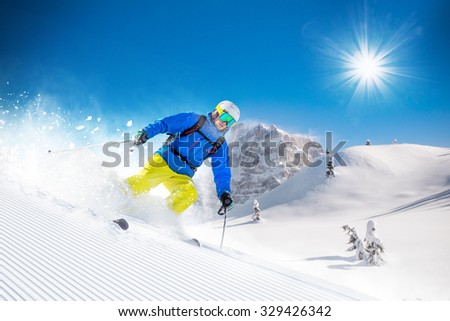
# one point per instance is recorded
(266, 158)
(249, 131)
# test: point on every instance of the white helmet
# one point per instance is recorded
(229, 108)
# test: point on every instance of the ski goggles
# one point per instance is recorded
(225, 117)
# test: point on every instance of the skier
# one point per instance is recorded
(193, 138)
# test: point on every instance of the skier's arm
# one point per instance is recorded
(221, 170)
(171, 124)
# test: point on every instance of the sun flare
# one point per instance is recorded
(368, 62)
(367, 71)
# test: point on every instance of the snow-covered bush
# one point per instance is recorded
(374, 245)
(372, 249)
(256, 211)
(355, 241)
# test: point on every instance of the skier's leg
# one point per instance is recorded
(182, 193)
(154, 173)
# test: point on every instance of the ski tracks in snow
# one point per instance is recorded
(50, 253)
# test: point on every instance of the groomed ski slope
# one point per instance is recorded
(50, 250)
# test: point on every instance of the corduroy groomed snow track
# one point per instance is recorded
(49, 251)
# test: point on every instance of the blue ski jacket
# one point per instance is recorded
(193, 147)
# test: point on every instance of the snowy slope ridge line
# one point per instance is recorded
(48, 252)
(437, 200)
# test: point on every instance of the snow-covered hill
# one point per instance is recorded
(404, 188)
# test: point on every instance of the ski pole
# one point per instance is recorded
(83, 147)
(223, 211)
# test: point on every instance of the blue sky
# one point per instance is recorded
(281, 62)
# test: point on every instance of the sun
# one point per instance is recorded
(368, 68)
(367, 62)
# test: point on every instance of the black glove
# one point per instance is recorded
(140, 138)
(227, 201)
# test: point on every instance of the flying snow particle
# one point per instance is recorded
(79, 127)
(130, 123)
(89, 118)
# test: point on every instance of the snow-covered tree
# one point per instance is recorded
(355, 241)
(374, 245)
(330, 164)
(256, 211)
